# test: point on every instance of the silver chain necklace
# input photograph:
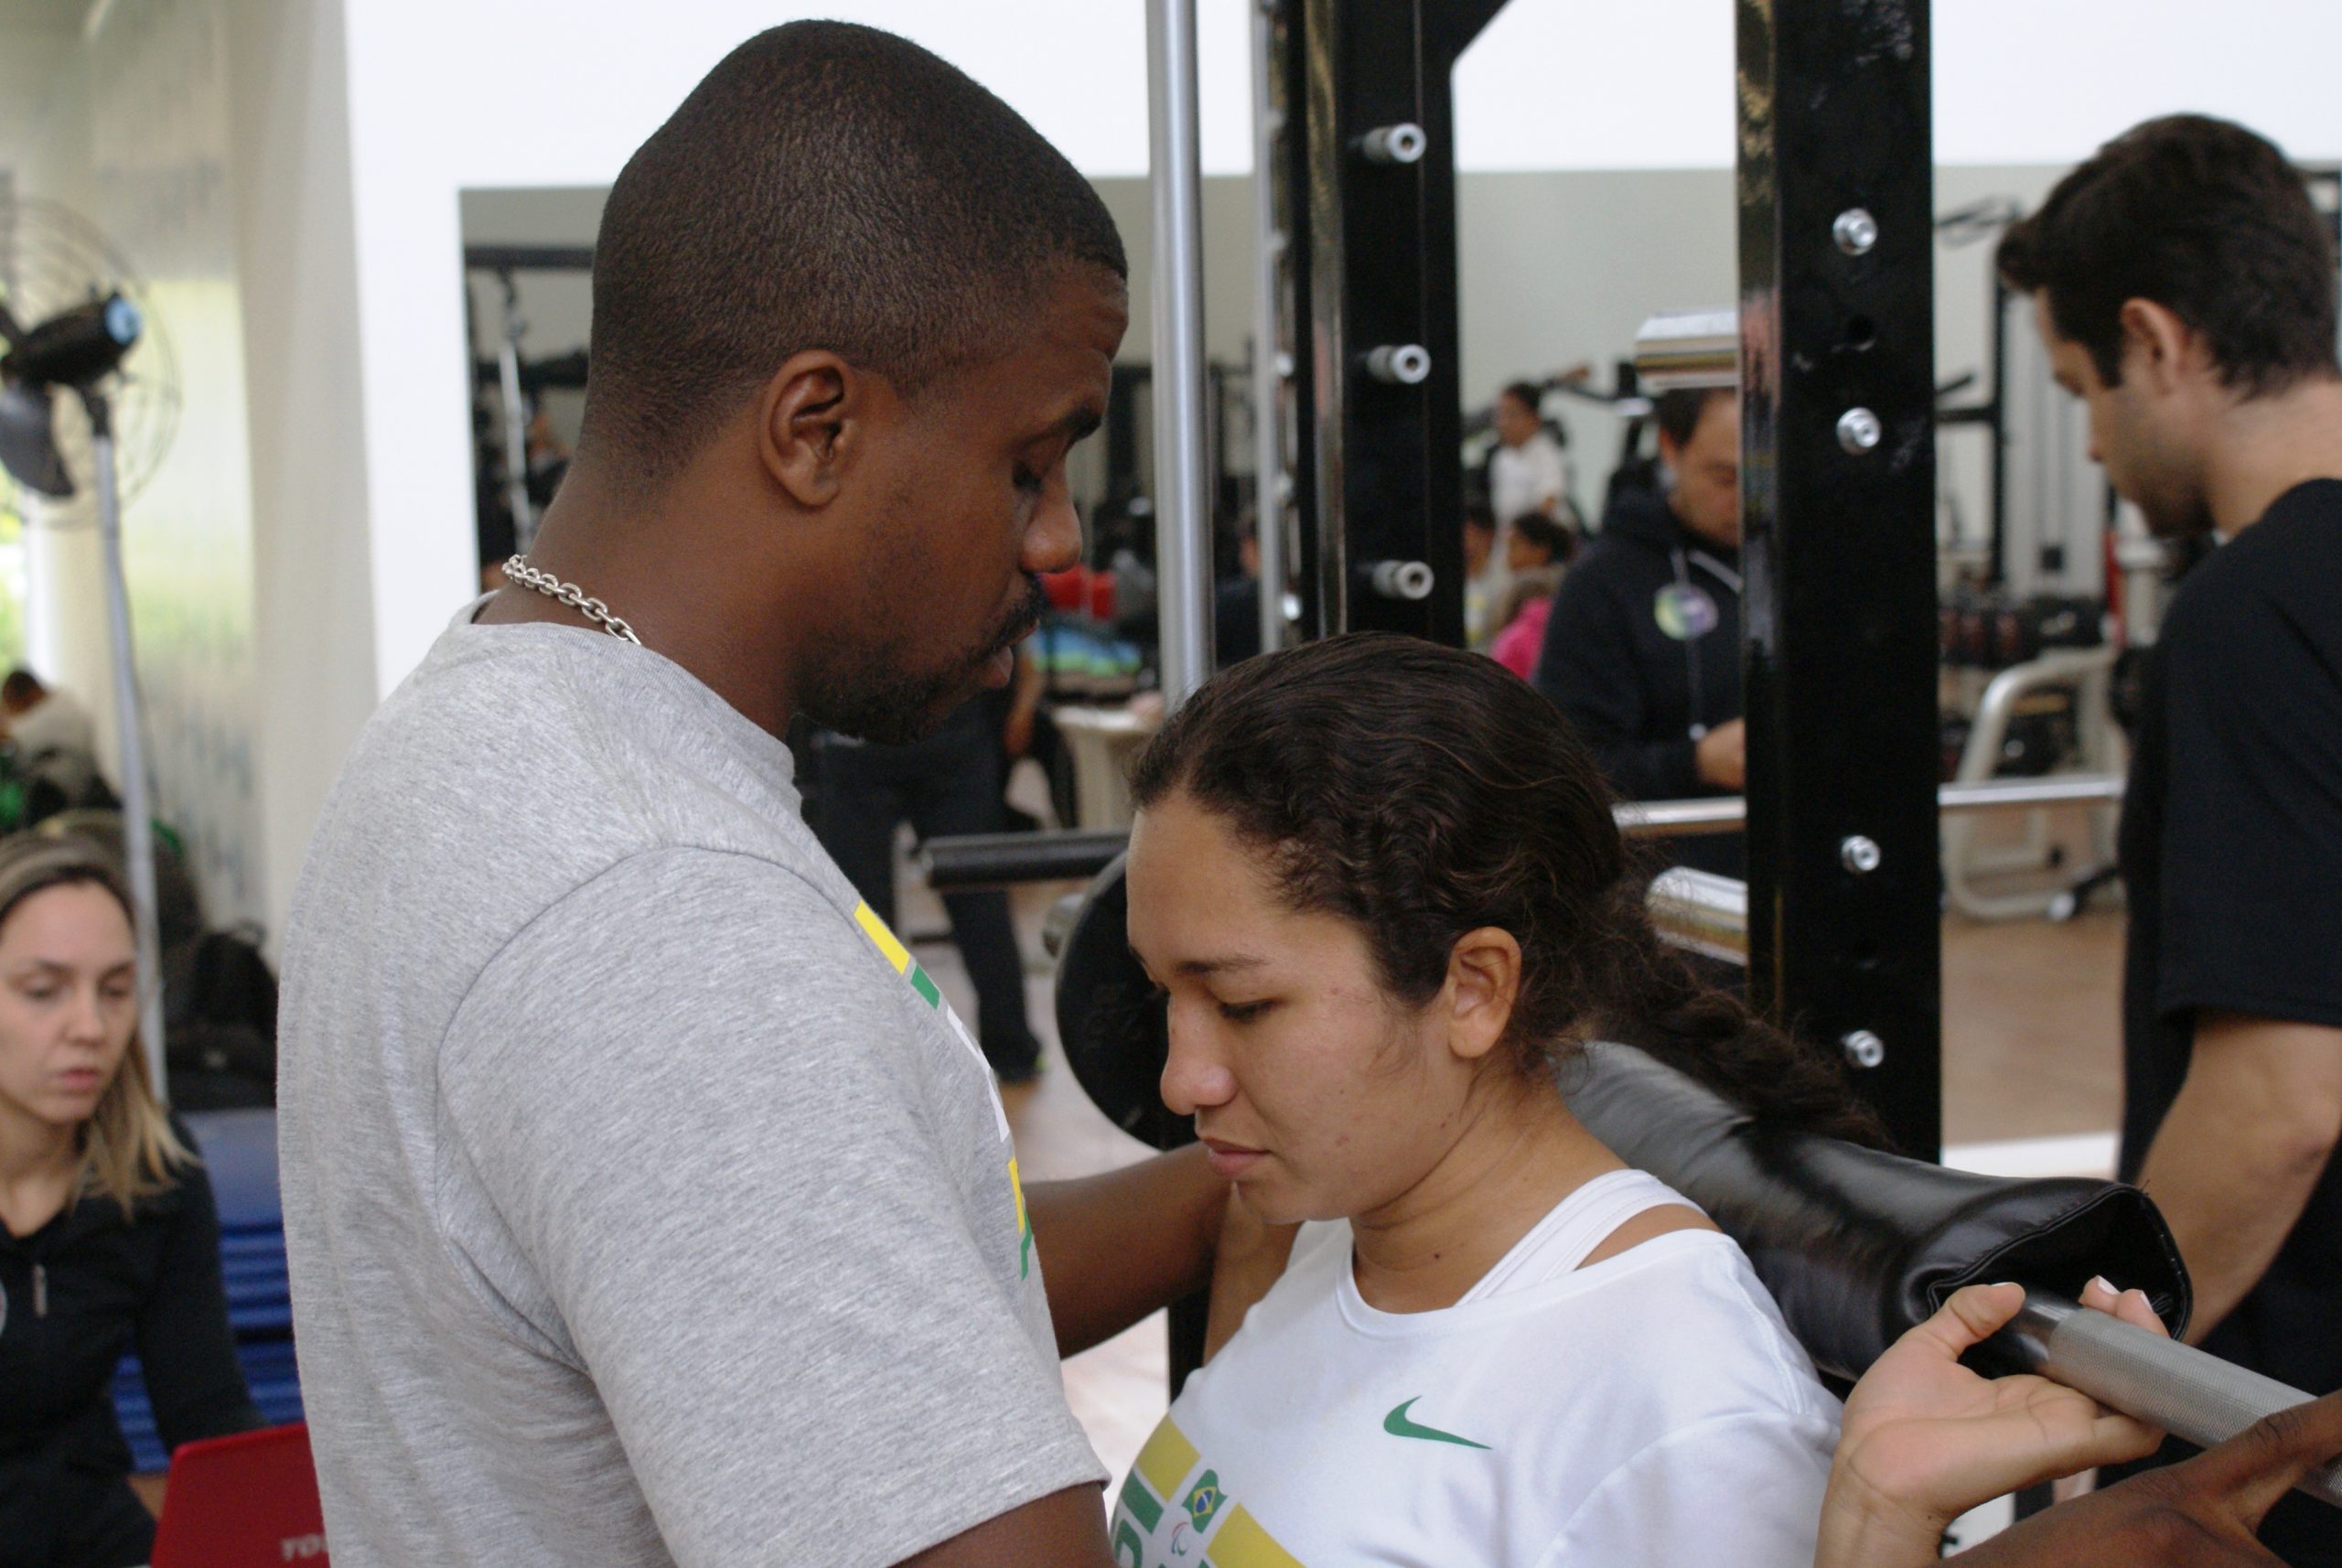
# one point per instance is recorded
(518, 570)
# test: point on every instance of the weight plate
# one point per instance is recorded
(1110, 1022)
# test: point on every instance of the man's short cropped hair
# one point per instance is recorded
(1528, 394)
(2207, 220)
(21, 689)
(827, 186)
(1678, 413)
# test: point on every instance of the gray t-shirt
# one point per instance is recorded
(645, 1203)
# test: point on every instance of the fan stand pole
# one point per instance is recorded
(137, 815)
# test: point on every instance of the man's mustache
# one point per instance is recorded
(1019, 624)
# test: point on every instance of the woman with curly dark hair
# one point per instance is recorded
(1381, 890)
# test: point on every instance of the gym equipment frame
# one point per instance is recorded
(1837, 376)
(1835, 363)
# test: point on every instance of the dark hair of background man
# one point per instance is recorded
(2205, 218)
(1678, 412)
(1528, 394)
(828, 186)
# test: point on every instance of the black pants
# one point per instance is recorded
(949, 783)
(61, 1516)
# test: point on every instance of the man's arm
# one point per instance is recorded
(1064, 1530)
(1119, 1246)
(2236, 1160)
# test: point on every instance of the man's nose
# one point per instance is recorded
(1053, 541)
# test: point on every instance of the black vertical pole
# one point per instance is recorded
(1996, 565)
(1378, 101)
(1838, 487)
(1290, 200)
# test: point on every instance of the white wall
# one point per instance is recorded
(1562, 84)
(296, 251)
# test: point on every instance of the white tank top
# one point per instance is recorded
(1650, 1409)
(1562, 1242)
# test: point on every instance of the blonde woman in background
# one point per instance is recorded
(109, 1237)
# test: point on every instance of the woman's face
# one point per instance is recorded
(1320, 1094)
(69, 1002)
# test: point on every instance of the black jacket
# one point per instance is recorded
(80, 1292)
(1625, 646)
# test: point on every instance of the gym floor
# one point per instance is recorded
(2032, 1086)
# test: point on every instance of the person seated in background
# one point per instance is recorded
(109, 1238)
(1479, 548)
(1381, 887)
(1536, 554)
(53, 734)
(1642, 645)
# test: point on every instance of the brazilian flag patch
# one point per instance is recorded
(891, 948)
(896, 954)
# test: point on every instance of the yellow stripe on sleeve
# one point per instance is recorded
(884, 939)
(1166, 1459)
(1243, 1543)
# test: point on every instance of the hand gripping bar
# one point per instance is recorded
(2194, 1396)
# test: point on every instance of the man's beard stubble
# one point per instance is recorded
(876, 698)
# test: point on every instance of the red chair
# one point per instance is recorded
(243, 1501)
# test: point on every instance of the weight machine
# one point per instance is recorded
(510, 385)
(1831, 348)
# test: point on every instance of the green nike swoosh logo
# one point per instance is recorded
(1397, 1424)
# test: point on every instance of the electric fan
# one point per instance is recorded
(89, 403)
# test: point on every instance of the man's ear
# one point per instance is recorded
(2159, 346)
(813, 420)
(1483, 984)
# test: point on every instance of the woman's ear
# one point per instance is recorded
(1483, 984)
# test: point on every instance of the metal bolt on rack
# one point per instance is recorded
(1401, 579)
(1401, 364)
(1864, 1049)
(1859, 430)
(1400, 144)
(1855, 230)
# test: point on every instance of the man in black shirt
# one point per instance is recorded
(1642, 645)
(2186, 290)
